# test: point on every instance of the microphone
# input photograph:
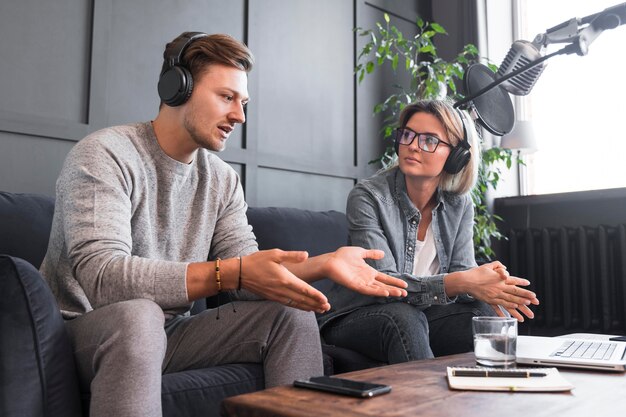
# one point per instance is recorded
(521, 53)
(487, 93)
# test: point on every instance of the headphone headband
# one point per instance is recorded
(173, 54)
(463, 142)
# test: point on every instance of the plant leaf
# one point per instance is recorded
(438, 28)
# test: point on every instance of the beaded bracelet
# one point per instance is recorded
(217, 275)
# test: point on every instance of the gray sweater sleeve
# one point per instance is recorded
(232, 235)
(94, 193)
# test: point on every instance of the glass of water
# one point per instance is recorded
(495, 340)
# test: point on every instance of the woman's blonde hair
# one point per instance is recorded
(450, 118)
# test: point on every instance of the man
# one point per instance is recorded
(140, 208)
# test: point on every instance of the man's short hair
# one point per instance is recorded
(212, 49)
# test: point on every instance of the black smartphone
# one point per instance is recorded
(343, 386)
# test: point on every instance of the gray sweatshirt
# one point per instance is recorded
(128, 219)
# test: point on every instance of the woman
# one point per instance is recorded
(421, 215)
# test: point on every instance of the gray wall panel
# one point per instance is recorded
(301, 190)
(304, 99)
(45, 58)
(31, 165)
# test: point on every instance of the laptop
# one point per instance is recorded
(578, 350)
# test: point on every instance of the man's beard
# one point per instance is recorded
(216, 145)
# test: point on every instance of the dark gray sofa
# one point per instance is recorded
(37, 374)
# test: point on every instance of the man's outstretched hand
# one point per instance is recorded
(264, 274)
(346, 266)
(283, 276)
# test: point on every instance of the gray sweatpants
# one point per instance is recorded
(122, 349)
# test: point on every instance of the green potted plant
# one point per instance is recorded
(431, 77)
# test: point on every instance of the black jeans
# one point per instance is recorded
(400, 332)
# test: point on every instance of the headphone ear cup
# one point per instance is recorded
(460, 155)
(457, 160)
(175, 86)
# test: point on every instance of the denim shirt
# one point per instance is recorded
(381, 216)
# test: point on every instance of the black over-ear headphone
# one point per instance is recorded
(176, 83)
(459, 155)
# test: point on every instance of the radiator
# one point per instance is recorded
(579, 275)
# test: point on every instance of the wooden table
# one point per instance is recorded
(420, 388)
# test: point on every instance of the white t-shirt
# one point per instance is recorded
(426, 262)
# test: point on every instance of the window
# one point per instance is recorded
(577, 106)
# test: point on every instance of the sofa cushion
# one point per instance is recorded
(37, 371)
(317, 232)
(25, 222)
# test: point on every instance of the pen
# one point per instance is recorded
(496, 374)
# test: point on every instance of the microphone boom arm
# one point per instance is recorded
(569, 49)
(582, 32)
(566, 32)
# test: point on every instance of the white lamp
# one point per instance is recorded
(522, 140)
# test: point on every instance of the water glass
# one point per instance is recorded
(495, 340)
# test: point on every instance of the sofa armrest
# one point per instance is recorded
(37, 370)
(25, 222)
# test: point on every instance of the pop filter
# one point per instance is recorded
(494, 107)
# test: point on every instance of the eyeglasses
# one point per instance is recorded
(426, 142)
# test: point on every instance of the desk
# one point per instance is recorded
(420, 388)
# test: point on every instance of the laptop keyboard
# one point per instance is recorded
(585, 350)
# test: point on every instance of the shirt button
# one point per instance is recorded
(413, 222)
(410, 248)
(435, 298)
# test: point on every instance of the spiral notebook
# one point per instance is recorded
(552, 381)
